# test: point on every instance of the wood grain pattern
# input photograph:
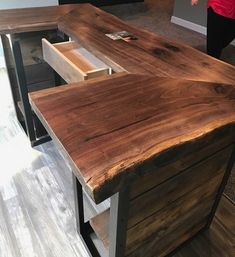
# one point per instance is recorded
(137, 120)
(160, 249)
(158, 213)
(206, 175)
(216, 242)
(32, 19)
(149, 54)
(173, 166)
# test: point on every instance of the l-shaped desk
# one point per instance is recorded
(156, 137)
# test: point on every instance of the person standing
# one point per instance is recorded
(220, 25)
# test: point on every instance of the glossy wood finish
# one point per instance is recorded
(32, 19)
(149, 54)
(117, 129)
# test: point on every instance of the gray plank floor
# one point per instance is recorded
(36, 195)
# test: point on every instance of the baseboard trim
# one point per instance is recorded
(191, 25)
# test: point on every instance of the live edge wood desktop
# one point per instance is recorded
(156, 137)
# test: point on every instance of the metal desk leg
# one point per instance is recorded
(20, 75)
(221, 188)
(84, 229)
(118, 223)
(8, 56)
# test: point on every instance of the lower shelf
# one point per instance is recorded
(213, 240)
(100, 225)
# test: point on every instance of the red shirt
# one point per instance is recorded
(225, 8)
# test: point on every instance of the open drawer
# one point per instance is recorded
(73, 62)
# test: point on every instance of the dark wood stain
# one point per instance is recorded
(136, 120)
(160, 52)
(150, 54)
(217, 241)
(32, 19)
(172, 47)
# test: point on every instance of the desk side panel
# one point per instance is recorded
(163, 217)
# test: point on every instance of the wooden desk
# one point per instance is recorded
(150, 54)
(157, 137)
(160, 148)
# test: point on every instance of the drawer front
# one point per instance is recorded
(72, 62)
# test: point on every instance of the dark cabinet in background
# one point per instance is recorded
(99, 2)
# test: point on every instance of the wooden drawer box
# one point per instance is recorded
(73, 62)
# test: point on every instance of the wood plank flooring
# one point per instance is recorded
(36, 200)
(36, 195)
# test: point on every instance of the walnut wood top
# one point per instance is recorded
(32, 19)
(111, 128)
(151, 53)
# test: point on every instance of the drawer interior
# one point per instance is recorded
(73, 62)
(80, 57)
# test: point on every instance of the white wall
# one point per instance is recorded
(191, 17)
(8, 4)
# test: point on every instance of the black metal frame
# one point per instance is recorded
(222, 187)
(22, 85)
(12, 43)
(83, 228)
(117, 223)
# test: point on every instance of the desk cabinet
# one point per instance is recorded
(165, 211)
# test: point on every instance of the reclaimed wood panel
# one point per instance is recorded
(174, 165)
(217, 241)
(182, 184)
(153, 249)
(149, 54)
(158, 226)
(157, 213)
(226, 215)
(113, 130)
